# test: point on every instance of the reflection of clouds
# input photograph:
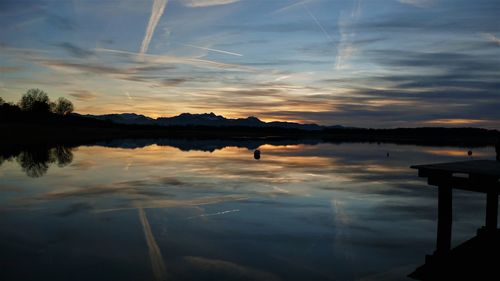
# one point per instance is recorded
(214, 214)
(228, 270)
(340, 215)
(342, 222)
(231, 175)
(83, 164)
(348, 204)
(393, 274)
(75, 208)
(157, 262)
(453, 152)
(176, 203)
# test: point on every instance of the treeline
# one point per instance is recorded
(36, 102)
(37, 119)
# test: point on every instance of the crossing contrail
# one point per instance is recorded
(156, 12)
(213, 50)
(318, 23)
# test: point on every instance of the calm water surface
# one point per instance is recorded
(208, 212)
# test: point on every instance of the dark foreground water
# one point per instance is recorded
(203, 211)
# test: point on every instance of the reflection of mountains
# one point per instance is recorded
(36, 160)
(205, 144)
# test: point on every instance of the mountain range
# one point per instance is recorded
(205, 119)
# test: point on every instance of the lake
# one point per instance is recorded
(207, 210)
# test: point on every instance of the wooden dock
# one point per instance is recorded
(470, 258)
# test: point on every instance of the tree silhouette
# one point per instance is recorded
(35, 100)
(63, 106)
(1, 101)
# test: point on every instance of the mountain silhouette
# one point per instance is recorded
(205, 119)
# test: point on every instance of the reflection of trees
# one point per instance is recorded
(36, 162)
(63, 155)
(5, 156)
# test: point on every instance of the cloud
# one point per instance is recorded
(85, 67)
(207, 3)
(83, 95)
(162, 60)
(170, 82)
(491, 38)
(60, 22)
(346, 49)
(75, 50)
(418, 3)
(9, 69)
(156, 13)
(455, 122)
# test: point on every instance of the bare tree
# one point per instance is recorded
(63, 106)
(35, 100)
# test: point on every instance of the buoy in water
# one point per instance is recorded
(256, 154)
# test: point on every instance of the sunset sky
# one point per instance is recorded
(367, 63)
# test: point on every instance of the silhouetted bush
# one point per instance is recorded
(63, 106)
(35, 100)
(36, 106)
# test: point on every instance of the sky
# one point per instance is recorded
(366, 63)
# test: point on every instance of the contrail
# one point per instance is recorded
(213, 50)
(318, 23)
(291, 6)
(154, 251)
(345, 48)
(156, 12)
(183, 60)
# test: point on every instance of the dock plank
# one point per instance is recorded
(489, 168)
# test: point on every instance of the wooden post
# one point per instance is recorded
(497, 149)
(443, 243)
(492, 208)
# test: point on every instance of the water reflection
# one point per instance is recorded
(35, 161)
(201, 210)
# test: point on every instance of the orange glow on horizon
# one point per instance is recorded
(457, 121)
